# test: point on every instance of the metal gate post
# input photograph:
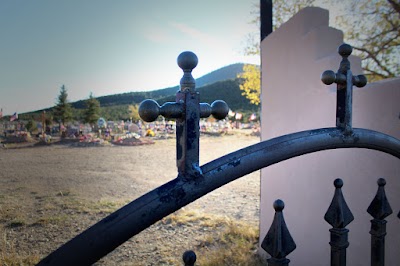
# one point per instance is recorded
(187, 126)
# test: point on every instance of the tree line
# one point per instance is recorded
(125, 106)
(90, 112)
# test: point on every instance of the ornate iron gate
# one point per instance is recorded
(194, 181)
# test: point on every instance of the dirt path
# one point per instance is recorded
(49, 194)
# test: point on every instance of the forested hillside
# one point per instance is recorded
(227, 90)
(224, 73)
(220, 84)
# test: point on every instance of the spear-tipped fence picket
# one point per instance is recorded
(194, 181)
(278, 242)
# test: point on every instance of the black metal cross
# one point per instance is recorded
(345, 80)
(187, 110)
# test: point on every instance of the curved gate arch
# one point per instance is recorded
(194, 181)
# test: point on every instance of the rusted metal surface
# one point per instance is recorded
(278, 242)
(187, 126)
(379, 209)
(339, 216)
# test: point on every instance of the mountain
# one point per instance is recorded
(227, 90)
(220, 84)
(224, 73)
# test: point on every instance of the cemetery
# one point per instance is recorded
(327, 161)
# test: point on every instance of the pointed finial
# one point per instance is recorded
(338, 214)
(189, 257)
(278, 242)
(380, 207)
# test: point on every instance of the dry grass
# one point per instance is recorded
(229, 242)
(55, 192)
(185, 217)
(235, 244)
(66, 200)
(54, 220)
(53, 212)
(10, 256)
(105, 206)
(10, 213)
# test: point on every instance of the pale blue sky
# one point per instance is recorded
(109, 47)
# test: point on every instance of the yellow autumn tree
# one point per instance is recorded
(371, 27)
(134, 112)
(250, 84)
(250, 77)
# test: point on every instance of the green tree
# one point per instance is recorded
(92, 112)
(63, 109)
(49, 120)
(31, 125)
(250, 77)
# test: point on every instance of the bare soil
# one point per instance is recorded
(50, 193)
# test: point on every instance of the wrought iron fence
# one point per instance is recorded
(194, 181)
(278, 242)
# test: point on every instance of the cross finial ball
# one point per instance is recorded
(345, 50)
(187, 61)
(279, 205)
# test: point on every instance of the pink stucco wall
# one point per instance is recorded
(294, 99)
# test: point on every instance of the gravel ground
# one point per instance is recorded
(48, 194)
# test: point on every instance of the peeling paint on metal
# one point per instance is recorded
(175, 196)
(235, 163)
